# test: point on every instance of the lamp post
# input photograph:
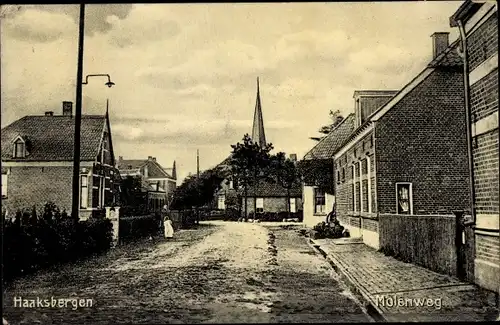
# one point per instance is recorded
(75, 207)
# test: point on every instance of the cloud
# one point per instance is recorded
(144, 24)
(37, 26)
(96, 16)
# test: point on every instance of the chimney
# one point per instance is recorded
(293, 157)
(440, 42)
(150, 157)
(154, 158)
(67, 108)
(120, 158)
(49, 113)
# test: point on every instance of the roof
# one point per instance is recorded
(464, 12)
(375, 93)
(448, 58)
(51, 138)
(327, 146)
(134, 165)
(268, 189)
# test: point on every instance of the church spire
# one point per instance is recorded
(258, 135)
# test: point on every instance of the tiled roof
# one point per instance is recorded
(327, 146)
(51, 138)
(449, 57)
(131, 163)
(268, 189)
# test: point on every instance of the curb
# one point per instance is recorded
(371, 308)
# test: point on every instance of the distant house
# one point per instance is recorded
(317, 165)
(158, 182)
(407, 157)
(479, 20)
(37, 162)
(271, 197)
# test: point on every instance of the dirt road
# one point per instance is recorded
(221, 272)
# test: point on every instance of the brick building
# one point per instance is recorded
(37, 162)
(159, 183)
(407, 156)
(478, 25)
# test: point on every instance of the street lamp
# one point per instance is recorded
(75, 206)
(109, 83)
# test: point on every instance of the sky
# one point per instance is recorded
(185, 74)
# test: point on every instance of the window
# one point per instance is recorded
(404, 198)
(97, 191)
(343, 174)
(293, 207)
(353, 189)
(319, 201)
(19, 149)
(371, 141)
(260, 204)
(338, 176)
(4, 184)
(84, 191)
(364, 167)
(231, 184)
(221, 202)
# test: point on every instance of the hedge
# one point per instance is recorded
(35, 241)
(276, 216)
(132, 228)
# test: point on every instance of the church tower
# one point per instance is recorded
(258, 135)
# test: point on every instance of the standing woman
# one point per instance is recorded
(169, 229)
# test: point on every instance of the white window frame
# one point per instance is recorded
(410, 194)
(293, 204)
(323, 207)
(20, 141)
(5, 183)
(368, 166)
(259, 204)
(360, 166)
(84, 204)
(354, 201)
(221, 202)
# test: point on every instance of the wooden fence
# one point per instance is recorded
(426, 240)
(182, 218)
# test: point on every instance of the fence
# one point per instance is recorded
(182, 219)
(426, 240)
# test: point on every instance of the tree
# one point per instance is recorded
(286, 174)
(336, 118)
(248, 164)
(132, 196)
(197, 191)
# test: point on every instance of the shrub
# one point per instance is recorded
(33, 241)
(323, 230)
(136, 227)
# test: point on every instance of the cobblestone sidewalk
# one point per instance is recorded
(400, 291)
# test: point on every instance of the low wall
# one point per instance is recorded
(426, 240)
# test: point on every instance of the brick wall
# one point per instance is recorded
(343, 190)
(483, 42)
(486, 168)
(422, 140)
(28, 186)
(272, 204)
(487, 249)
(484, 96)
(370, 224)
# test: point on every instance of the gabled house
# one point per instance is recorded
(478, 23)
(37, 162)
(409, 156)
(317, 166)
(159, 183)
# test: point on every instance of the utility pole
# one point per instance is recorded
(75, 207)
(198, 181)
